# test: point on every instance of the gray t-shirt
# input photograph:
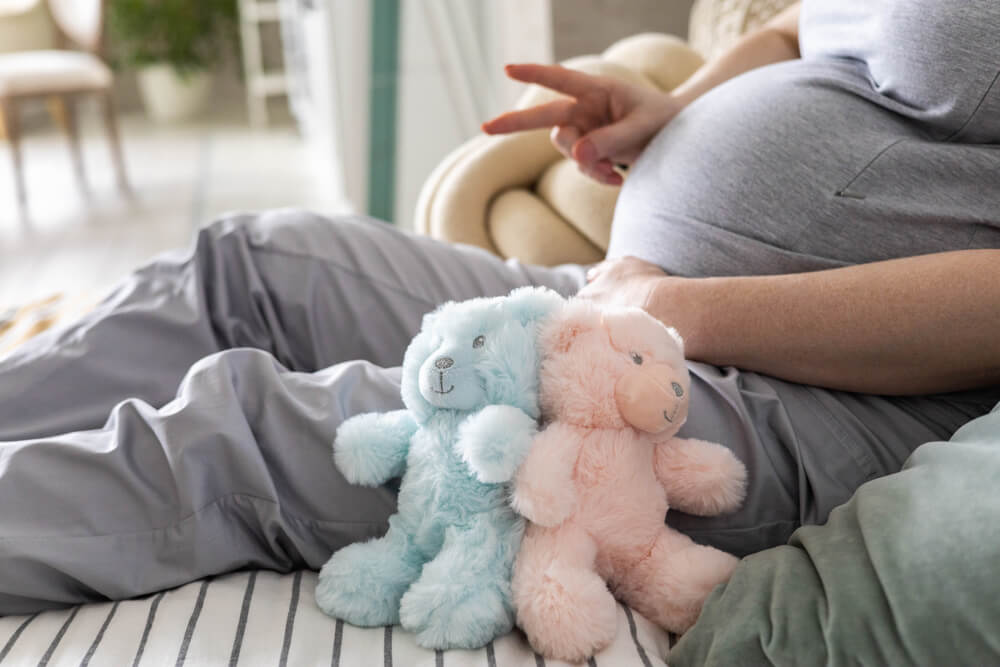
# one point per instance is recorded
(883, 141)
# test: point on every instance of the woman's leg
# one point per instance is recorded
(235, 472)
(806, 449)
(310, 290)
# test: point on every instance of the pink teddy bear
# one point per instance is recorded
(600, 478)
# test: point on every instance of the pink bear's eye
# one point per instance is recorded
(637, 358)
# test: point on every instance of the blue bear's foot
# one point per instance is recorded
(364, 582)
(456, 613)
(463, 596)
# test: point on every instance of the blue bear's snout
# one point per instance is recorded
(449, 380)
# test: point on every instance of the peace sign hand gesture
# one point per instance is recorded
(603, 122)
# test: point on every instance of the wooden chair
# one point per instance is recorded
(61, 76)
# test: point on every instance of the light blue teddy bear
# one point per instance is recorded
(470, 386)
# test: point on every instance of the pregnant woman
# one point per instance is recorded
(817, 212)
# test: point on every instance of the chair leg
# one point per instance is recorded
(111, 124)
(12, 124)
(67, 112)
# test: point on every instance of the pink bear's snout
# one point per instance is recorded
(653, 398)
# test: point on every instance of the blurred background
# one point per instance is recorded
(127, 124)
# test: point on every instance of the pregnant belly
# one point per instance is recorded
(756, 177)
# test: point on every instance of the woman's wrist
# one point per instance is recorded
(685, 305)
(680, 97)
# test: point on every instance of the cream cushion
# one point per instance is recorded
(517, 196)
(33, 72)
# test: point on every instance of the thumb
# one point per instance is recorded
(605, 143)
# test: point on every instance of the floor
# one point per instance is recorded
(182, 177)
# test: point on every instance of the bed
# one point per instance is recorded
(265, 618)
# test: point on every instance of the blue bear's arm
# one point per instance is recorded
(371, 449)
(495, 440)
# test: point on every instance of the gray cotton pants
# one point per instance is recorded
(183, 428)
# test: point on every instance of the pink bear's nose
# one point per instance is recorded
(652, 398)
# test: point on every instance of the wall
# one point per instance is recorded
(589, 26)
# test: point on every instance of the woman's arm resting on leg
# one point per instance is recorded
(917, 325)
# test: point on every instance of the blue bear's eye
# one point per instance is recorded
(479, 341)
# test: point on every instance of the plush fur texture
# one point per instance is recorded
(443, 570)
(599, 479)
(502, 434)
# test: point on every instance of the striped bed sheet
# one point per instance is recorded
(263, 618)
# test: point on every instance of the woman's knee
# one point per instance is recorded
(233, 369)
(292, 231)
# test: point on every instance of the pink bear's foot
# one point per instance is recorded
(568, 613)
(670, 586)
(563, 606)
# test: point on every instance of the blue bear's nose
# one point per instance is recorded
(444, 362)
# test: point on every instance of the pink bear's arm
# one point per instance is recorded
(700, 477)
(543, 488)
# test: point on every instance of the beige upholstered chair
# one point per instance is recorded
(61, 76)
(517, 196)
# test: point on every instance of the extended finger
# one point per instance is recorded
(544, 115)
(554, 77)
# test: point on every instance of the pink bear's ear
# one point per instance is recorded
(578, 316)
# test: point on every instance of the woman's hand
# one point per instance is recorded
(626, 281)
(607, 122)
(604, 122)
(630, 281)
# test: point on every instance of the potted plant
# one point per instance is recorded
(172, 44)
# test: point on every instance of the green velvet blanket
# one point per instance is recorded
(906, 573)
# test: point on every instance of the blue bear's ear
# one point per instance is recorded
(529, 304)
(430, 319)
(417, 352)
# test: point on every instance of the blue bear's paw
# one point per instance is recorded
(455, 613)
(370, 449)
(494, 441)
(364, 582)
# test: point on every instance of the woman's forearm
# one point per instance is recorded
(918, 325)
(775, 42)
